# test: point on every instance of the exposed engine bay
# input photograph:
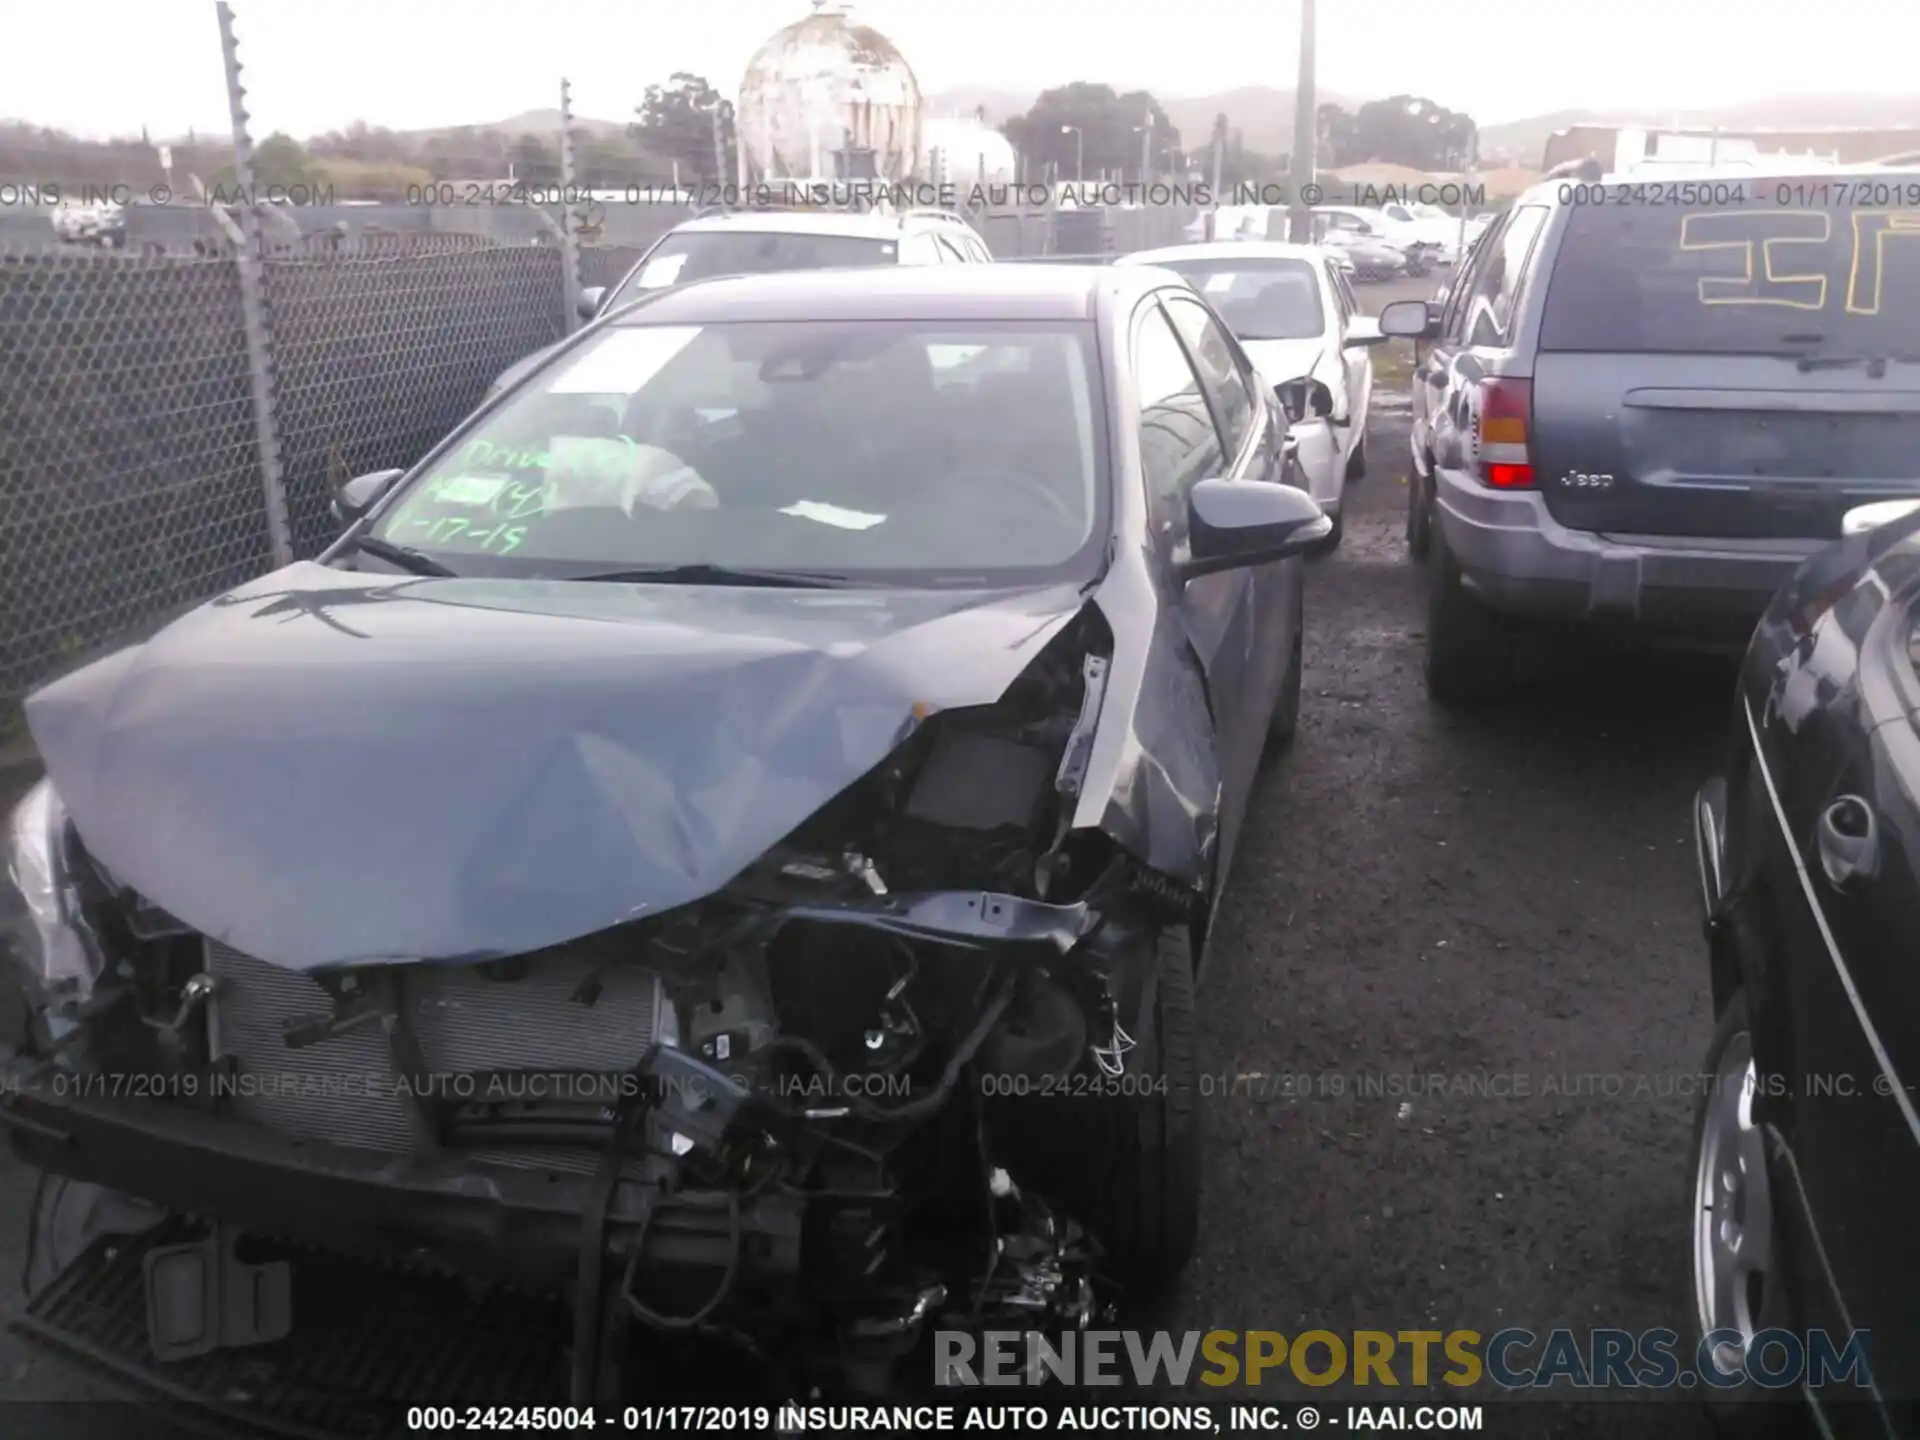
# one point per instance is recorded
(863, 1091)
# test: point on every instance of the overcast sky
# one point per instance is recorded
(102, 67)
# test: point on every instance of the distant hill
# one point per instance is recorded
(528, 122)
(1263, 114)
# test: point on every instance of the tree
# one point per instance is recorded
(675, 123)
(1414, 131)
(534, 161)
(281, 160)
(1335, 135)
(1087, 128)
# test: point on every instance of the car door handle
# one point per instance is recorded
(1848, 840)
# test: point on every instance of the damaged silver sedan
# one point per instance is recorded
(727, 839)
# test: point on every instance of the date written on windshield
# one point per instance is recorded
(1784, 254)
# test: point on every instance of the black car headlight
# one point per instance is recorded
(39, 907)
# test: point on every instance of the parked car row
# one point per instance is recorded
(730, 836)
(1700, 423)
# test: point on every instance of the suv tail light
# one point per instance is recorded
(1502, 457)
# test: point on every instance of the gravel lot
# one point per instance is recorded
(1502, 902)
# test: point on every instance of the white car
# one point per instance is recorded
(1439, 239)
(1294, 312)
(1432, 223)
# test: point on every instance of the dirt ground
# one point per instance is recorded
(1458, 973)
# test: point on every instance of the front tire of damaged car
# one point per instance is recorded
(1125, 1159)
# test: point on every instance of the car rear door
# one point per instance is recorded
(1741, 366)
(1440, 399)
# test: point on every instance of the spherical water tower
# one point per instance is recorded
(965, 154)
(828, 99)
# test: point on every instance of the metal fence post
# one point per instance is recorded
(250, 258)
(569, 239)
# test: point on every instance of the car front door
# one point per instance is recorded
(1222, 610)
(1848, 783)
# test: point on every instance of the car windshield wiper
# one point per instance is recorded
(719, 575)
(406, 557)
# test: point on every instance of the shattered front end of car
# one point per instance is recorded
(801, 1112)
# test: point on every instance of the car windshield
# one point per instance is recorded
(1259, 299)
(704, 254)
(900, 451)
(1762, 274)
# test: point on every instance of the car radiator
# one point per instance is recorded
(345, 1089)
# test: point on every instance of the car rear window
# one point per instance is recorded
(1763, 267)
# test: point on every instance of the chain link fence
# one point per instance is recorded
(131, 478)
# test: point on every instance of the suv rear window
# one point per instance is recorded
(704, 254)
(1766, 267)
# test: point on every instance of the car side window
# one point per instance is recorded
(919, 249)
(1179, 446)
(1345, 287)
(1490, 299)
(1342, 296)
(1234, 403)
(1467, 280)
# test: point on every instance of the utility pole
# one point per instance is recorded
(1306, 132)
(1146, 149)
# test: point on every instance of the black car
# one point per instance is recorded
(1646, 400)
(733, 831)
(1807, 1140)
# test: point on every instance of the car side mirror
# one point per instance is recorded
(1235, 524)
(1408, 320)
(590, 299)
(1363, 331)
(1862, 518)
(355, 497)
(1304, 399)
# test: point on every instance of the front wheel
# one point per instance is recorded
(1357, 460)
(1286, 714)
(1143, 1203)
(1419, 518)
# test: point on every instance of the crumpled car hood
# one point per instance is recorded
(327, 768)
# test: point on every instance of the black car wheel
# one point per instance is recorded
(1334, 536)
(1143, 1203)
(1419, 518)
(1734, 1237)
(1470, 649)
(1286, 714)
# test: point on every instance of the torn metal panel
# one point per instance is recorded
(1152, 777)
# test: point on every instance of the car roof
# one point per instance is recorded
(904, 292)
(1791, 171)
(810, 222)
(1227, 250)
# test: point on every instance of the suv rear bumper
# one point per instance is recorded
(1518, 558)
